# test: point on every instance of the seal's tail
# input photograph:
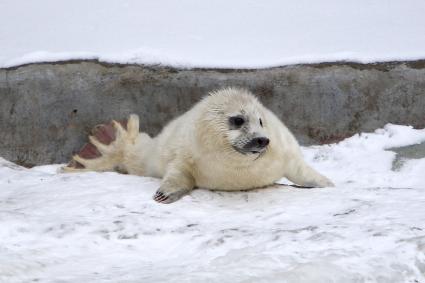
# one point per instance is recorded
(105, 150)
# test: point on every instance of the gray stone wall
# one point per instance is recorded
(47, 110)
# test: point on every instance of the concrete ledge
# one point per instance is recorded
(47, 109)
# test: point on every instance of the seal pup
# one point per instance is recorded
(227, 141)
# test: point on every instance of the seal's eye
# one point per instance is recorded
(261, 123)
(237, 121)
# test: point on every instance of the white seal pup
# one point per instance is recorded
(228, 141)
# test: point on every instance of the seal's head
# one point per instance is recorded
(237, 118)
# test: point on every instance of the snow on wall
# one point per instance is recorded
(191, 33)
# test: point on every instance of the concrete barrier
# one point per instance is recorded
(47, 109)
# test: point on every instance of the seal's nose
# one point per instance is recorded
(260, 142)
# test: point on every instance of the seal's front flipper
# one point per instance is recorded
(305, 176)
(177, 183)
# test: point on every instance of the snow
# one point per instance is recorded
(105, 227)
(224, 34)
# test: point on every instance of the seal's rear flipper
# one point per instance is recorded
(104, 151)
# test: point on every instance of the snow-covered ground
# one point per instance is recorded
(220, 33)
(105, 227)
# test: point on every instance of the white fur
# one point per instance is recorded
(195, 149)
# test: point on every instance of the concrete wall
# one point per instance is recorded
(46, 110)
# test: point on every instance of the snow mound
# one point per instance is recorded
(223, 34)
(105, 227)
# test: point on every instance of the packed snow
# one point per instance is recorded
(221, 33)
(105, 227)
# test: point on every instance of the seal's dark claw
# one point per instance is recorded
(160, 197)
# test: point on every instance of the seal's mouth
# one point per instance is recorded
(240, 150)
(248, 152)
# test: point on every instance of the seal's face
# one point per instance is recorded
(236, 122)
(246, 132)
